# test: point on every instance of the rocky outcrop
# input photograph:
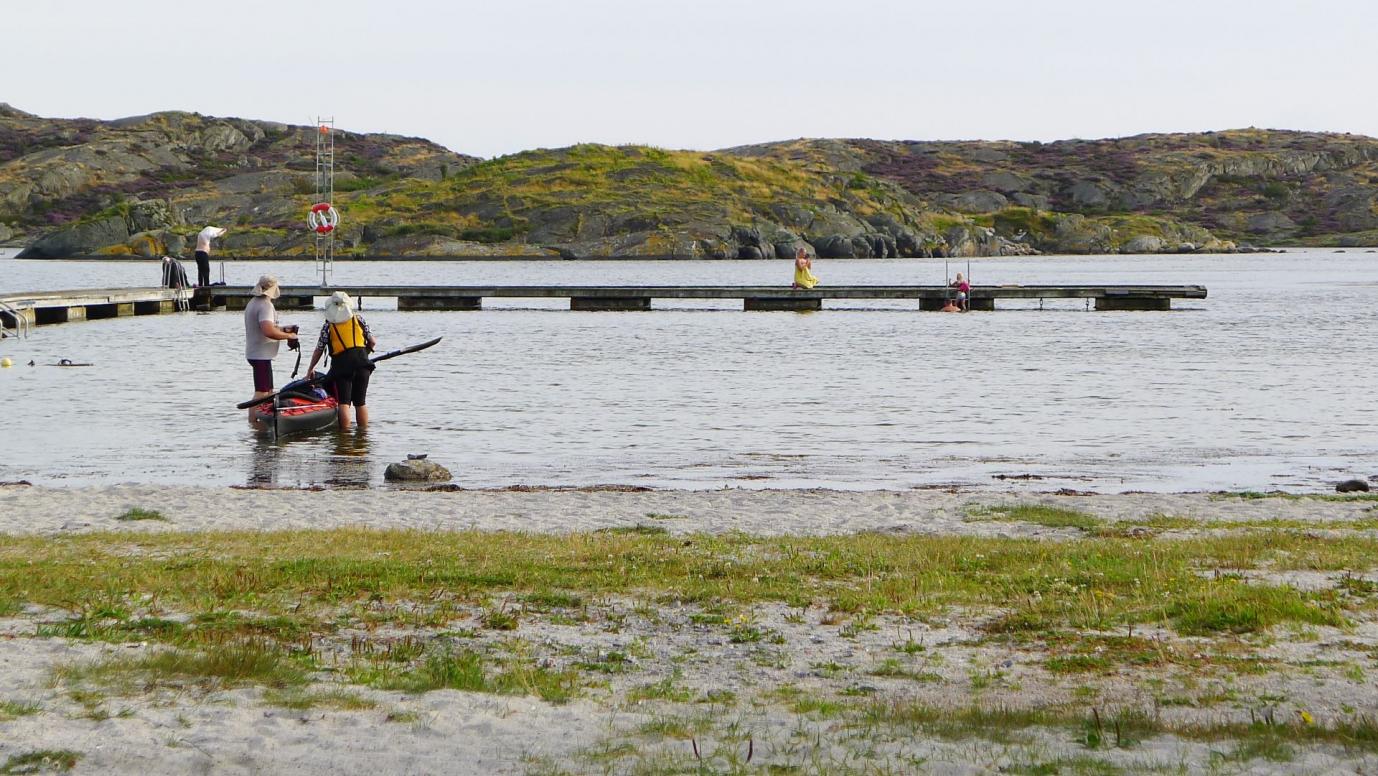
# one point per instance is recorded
(142, 185)
(138, 228)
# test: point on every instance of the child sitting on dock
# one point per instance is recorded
(803, 276)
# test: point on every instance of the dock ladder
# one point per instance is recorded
(21, 325)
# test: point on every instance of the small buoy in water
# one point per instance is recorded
(6, 362)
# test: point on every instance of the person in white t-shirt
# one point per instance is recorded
(262, 334)
(203, 254)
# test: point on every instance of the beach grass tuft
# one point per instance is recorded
(139, 513)
(40, 761)
(13, 709)
(301, 699)
(240, 664)
(468, 670)
(1038, 514)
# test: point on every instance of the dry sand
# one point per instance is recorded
(55, 511)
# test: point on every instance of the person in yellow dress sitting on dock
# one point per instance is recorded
(803, 275)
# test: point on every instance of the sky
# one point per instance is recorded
(500, 76)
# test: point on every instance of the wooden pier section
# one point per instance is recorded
(44, 307)
(753, 297)
(41, 308)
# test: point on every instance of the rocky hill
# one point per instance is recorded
(143, 185)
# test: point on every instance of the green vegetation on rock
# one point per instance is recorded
(143, 186)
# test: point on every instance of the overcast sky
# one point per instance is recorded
(493, 77)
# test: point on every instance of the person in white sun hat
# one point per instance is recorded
(349, 340)
(262, 335)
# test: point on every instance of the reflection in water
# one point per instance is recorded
(264, 459)
(348, 467)
(334, 458)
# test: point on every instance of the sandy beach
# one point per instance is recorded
(56, 511)
(637, 678)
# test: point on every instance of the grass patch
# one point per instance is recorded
(284, 586)
(40, 761)
(14, 709)
(1253, 495)
(138, 513)
(1119, 728)
(1077, 653)
(667, 689)
(467, 670)
(1038, 514)
(231, 665)
(640, 529)
(300, 699)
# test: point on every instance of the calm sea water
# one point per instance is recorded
(1268, 383)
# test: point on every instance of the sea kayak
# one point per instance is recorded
(300, 406)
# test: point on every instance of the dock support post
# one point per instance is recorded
(47, 315)
(609, 303)
(439, 303)
(154, 307)
(96, 312)
(1133, 303)
(776, 303)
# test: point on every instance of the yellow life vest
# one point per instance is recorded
(344, 336)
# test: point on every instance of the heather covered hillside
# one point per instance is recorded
(1249, 186)
(143, 185)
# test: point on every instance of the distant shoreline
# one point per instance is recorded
(353, 259)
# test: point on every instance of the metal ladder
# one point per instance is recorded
(21, 322)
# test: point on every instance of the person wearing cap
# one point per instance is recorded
(263, 335)
(347, 335)
(203, 253)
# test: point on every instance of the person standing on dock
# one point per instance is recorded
(263, 335)
(203, 254)
(349, 339)
(803, 274)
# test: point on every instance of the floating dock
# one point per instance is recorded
(753, 297)
(20, 310)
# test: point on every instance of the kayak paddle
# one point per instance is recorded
(244, 405)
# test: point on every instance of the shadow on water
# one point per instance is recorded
(334, 458)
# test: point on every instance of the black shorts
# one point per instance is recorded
(351, 388)
(348, 377)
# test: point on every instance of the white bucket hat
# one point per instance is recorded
(267, 286)
(339, 309)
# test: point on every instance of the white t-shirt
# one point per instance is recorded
(257, 346)
(204, 237)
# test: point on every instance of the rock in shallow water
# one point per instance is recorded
(416, 471)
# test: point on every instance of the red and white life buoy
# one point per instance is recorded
(323, 218)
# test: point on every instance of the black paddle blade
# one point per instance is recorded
(244, 405)
(411, 349)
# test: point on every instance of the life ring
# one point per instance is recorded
(323, 218)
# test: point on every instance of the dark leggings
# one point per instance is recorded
(203, 268)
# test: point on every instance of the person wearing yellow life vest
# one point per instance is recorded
(349, 340)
